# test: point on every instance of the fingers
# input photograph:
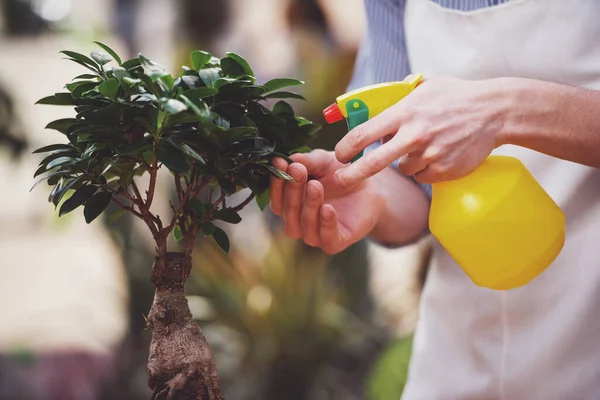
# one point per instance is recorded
(432, 174)
(293, 198)
(374, 162)
(412, 163)
(316, 162)
(310, 213)
(331, 238)
(277, 186)
(366, 134)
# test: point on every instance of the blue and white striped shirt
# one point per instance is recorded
(382, 56)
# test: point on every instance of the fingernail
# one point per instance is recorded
(312, 193)
(339, 178)
(326, 214)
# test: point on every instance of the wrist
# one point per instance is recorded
(401, 209)
(506, 96)
(527, 107)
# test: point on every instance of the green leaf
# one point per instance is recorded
(191, 81)
(263, 200)
(101, 57)
(230, 67)
(187, 149)
(200, 93)
(110, 51)
(284, 95)
(119, 73)
(152, 69)
(172, 158)
(221, 238)
(56, 188)
(56, 196)
(199, 59)
(73, 85)
(177, 233)
(279, 173)
(283, 109)
(286, 158)
(167, 81)
(80, 196)
(131, 82)
(228, 215)
(60, 161)
(309, 130)
(53, 147)
(131, 64)
(57, 99)
(242, 62)
(96, 205)
(227, 186)
(229, 110)
(86, 76)
(84, 89)
(161, 118)
(61, 125)
(134, 148)
(209, 76)
(81, 58)
(112, 218)
(56, 154)
(109, 88)
(200, 109)
(199, 207)
(52, 175)
(94, 147)
(39, 171)
(173, 106)
(207, 228)
(280, 83)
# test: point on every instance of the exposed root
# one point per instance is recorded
(180, 364)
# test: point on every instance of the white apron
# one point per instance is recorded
(541, 341)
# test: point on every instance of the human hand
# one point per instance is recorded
(320, 211)
(442, 131)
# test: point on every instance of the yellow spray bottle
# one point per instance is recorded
(498, 223)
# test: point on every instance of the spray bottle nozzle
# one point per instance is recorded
(333, 114)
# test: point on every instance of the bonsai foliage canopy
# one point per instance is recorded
(211, 127)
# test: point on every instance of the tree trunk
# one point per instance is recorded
(180, 364)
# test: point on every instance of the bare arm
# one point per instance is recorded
(558, 120)
(447, 127)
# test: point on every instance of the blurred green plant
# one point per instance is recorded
(209, 128)
(11, 137)
(297, 334)
(390, 373)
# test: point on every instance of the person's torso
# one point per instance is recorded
(540, 341)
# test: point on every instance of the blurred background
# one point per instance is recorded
(285, 321)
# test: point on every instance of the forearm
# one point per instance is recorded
(558, 120)
(405, 212)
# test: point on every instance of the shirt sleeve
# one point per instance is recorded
(382, 56)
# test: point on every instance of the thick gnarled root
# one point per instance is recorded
(180, 363)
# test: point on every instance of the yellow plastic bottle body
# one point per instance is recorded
(498, 224)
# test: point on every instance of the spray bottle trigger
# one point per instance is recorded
(358, 113)
(414, 79)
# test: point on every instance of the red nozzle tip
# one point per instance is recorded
(333, 114)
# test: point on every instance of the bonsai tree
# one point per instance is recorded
(210, 127)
